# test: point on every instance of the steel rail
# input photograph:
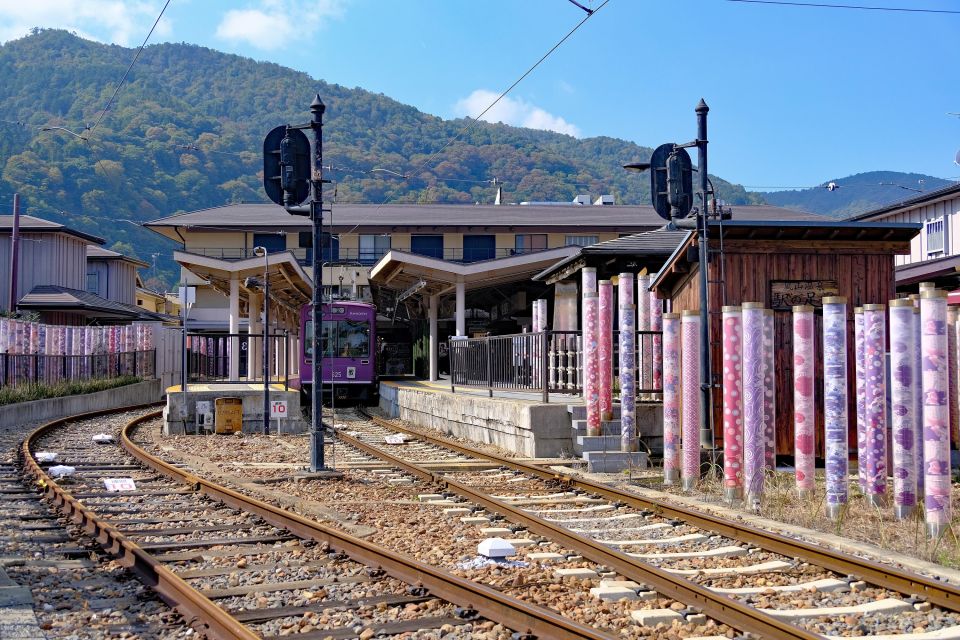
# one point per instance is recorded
(942, 594)
(718, 606)
(486, 601)
(199, 611)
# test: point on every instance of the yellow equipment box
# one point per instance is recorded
(228, 416)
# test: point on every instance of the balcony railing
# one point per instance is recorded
(367, 257)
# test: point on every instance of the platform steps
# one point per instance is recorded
(602, 453)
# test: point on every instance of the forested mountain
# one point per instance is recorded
(855, 194)
(186, 130)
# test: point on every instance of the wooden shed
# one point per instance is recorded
(783, 264)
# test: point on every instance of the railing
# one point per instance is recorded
(546, 362)
(367, 257)
(26, 369)
(209, 357)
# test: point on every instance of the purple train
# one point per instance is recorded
(348, 342)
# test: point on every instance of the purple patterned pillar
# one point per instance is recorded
(645, 348)
(803, 405)
(671, 398)
(588, 280)
(769, 392)
(936, 409)
(690, 338)
(628, 378)
(656, 324)
(754, 441)
(861, 402)
(591, 369)
(605, 349)
(875, 403)
(626, 283)
(903, 408)
(952, 327)
(732, 404)
(835, 402)
(918, 396)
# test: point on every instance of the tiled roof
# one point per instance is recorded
(30, 224)
(55, 298)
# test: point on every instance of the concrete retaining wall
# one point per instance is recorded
(534, 430)
(173, 422)
(24, 413)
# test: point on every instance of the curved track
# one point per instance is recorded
(126, 525)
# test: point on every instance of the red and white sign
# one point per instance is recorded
(278, 409)
(119, 484)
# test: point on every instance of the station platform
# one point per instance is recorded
(513, 420)
(180, 414)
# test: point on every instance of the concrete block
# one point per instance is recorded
(455, 511)
(615, 462)
(495, 531)
(623, 584)
(252, 400)
(424, 497)
(522, 542)
(653, 617)
(496, 548)
(579, 572)
(475, 520)
(599, 443)
(546, 557)
(887, 606)
(613, 594)
(607, 427)
(400, 480)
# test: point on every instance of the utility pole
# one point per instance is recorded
(706, 377)
(14, 253)
(316, 215)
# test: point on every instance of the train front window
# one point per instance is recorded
(328, 339)
(354, 339)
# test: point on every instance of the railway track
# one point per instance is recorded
(237, 567)
(755, 581)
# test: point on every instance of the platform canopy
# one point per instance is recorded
(290, 286)
(400, 270)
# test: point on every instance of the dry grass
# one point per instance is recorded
(859, 521)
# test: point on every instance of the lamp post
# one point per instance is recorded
(262, 252)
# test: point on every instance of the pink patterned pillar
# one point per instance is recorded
(754, 442)
(690, 339)
(875, 403)
(645, 347)
(902, 408)
(769, 392)
(626, 282)
(591, 365)
(671, 398)
(656, 324)
(936, 411)
(858, 342)
(732, 404)
(628, 379)
(605, 349)
(803, 405)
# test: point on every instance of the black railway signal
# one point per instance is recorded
(286, 166)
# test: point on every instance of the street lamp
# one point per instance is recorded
(262, 252)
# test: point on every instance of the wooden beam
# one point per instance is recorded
(899, 247)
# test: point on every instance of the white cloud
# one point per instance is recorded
(272, 24)
(516, 112)
(121, 22)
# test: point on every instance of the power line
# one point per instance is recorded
(825, 5)
(473, 121)
(135, 58)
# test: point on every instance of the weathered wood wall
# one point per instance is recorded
(864, 275)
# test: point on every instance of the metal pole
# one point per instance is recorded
(706, 377)
(266, 342)
(14, 253)
(316, 215)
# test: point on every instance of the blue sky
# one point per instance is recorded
(797, 95)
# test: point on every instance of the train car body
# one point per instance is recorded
(348, 344)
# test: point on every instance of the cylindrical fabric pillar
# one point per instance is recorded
(625, 289)
(690, 341)
(918, 396)
(732, 404)
(835, 402)
(460, 311)
(803, 405)
(645, 348)
(754, 441)
(656, 324)
(589, 280)
(433, 303)
(628, 380)
(671, 398)
(861, 398)
(591, 368)
(605, 349)
(936, 409)
(902, 408)
(769, 392)
(952, 327)
(534, 313)
(875, 403)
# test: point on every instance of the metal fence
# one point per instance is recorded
(545, 362)
(25, 369)
(209, 356)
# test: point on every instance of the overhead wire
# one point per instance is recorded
(828, 5)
